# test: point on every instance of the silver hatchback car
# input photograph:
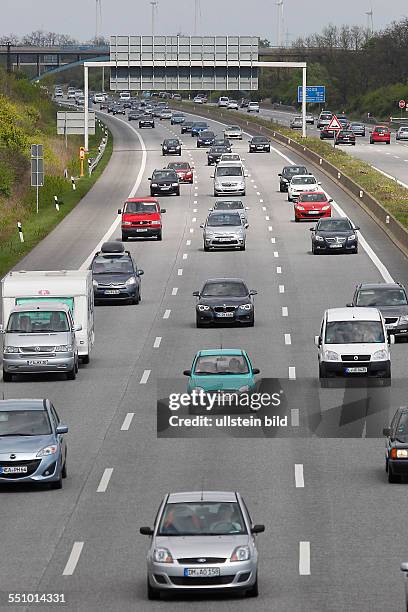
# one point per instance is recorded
(224, 229)
(202, 541)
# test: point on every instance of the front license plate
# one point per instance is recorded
(164, 188)
(224, 314)
(224, 239)
(34, 362)
(356, 370)
(112, 291)
(336, 246)
(142, 229)
(197, 572)
(18, 469)
(314, 212)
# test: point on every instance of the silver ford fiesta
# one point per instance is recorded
(202, 541)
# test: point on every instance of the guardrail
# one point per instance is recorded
(387, 222)
(93, 162)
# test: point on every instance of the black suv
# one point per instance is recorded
(334, 235)
(115, 275)
(164, 181)
(286, 175)
(396, 445)
(259, 143)
(171, 146)
(205, 138)
(214, 154)
(390, 299)
(146, 121)
(186, 127)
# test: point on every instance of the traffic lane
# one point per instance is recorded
(79, 401)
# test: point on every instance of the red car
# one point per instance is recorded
(141, 217)
(381, 133)
(184, 171)
(312, 205)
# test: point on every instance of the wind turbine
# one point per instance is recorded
(370, 23)
(279, 5)
(98, 18)
(155, 10)
(197, 15)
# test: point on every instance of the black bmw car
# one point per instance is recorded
(164, 182)
(214, 154)
(225, 300)
(259, 143)
(346, 137)
(396, 445)
(223, 142)
(186, 127)
(205, 138)
(334, 235)
(287, 173)
(146, 121)
(115, 275)
(171, 146)
(391, 300)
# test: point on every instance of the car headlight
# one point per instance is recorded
(319, 238)
(299, 207)
(126, 223)
(63, 348)
(331, 356)
(95, 283)
(48, 450)
(165, 148)
(284, 180)
(241, 553)
(130, 281)
(174, 184)
(202, 307)
(325, 207)
(380, 355)
(352, 237)
(11, 349)
(156, 222)
(403, 319)
(246, 306)
(154, 184)
(244, 389)
(162, 555)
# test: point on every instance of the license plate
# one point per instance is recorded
(33, 362)
(112, 291)
(259, 148)
(194, 572)
(356, 370)
(164, 188)
(314, 212)
(144, 229)
(224, 239)
(336, 246)
(17, 469)
(224, 314)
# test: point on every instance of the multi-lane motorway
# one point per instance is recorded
(335, 529)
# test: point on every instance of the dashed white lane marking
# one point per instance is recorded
(257, 193)
(180, 272)
(281, 288)
(73, 559)
(294, 417)
(104, 482)
(292, 372)
(145, 377)
(261, 201)
(157, 342)
(273, 240)
(276, 254)
(185, 255)
(195, 209)
(252, 181)
(266, 218)
(288, 339)
(270, 228)
(264, 208)
(174, 291)
(188, 242)
(256, 187)
(278, 270)
(284, 311)
(191, 230)
(195, 202)
(396, 156)
(167, 313)
(194, 220)
(127, 421)
(299, 478)
(304, 558)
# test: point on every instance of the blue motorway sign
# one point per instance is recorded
(314, 93)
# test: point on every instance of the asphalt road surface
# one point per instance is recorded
(335, 529)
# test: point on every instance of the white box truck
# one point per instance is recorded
(71, 287)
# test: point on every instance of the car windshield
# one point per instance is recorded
(231, 157)
(202, 519)
(24, 423)
(229, 171)
(200, 124)
(381, 297)
(334, 225)
(171, 143)
(169, 175)
(291, 170)
(140, 207)
(354, 332)
(233, 128)
(38, 321)
(221, 364)
(179, 165)
(357, 125)
(112, 264)
(303, 180)
(259, 139)
(217, 150)
(228, 205)
(402, 429)
(216, 220)
(224, 289)
(312, 197)
(381, 130)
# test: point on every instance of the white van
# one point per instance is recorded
(223, 101)
(353, 342)
(229, 178)
(124, 96)
(71, 287)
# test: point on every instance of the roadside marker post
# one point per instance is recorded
(81, 159)
(20, 231)
(73, 183)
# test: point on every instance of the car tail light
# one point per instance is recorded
(393, 453)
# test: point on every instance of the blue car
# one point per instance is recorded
(32, 445)
(205, 138)
(197, 127)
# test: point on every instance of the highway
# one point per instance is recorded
(335, 529)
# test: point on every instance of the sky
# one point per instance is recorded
(251, 17)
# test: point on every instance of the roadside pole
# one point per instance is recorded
(304, 92)
(86, 106)
(81, 160)
(37, 169)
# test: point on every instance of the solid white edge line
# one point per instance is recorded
(127, 421)
(145, 377)
(104, 482)
(299, 477)
(304, 558)
(73, 559)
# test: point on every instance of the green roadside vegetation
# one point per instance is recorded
(28, 116)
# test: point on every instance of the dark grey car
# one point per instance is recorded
(390, 299)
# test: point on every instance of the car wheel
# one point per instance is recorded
(71, 375)
(392, 478)
(85, 359)
(77, 365)
(178, 192)
(355, 251)
(253, 591)
(206, 248)
(64, 469)
(371, 141)
(251, 323)
(159, 236)
(198, 324)
(152, 593)
(322, 371)
(7, 377)
(57, 484)
(281, 188)
(242, 248)
(296, 220)
(314, 252)
(136, 299)
(124, 238)
(386, 466)
(289, 199)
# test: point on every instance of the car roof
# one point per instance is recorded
(380, 286)
(222, 351)
(150, 200)
(222, 280)
(353, 313)
(23, 404)
(206, 496)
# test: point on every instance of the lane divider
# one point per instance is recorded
(104, 482)
(73, 559)
(127, 421)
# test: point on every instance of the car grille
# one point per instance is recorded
(195, 560)
(32, 466)
(391, 320)
(105, 285)
(34, 349)
(335, 240)
(225, 308)
(355, 358)
(201, 581)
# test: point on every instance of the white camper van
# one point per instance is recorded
(71, 287)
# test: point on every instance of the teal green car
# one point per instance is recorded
(221, 370)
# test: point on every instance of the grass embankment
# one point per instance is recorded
(27, 116)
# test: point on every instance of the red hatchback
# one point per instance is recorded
(184, 171)
(312, 205)
(141, 217)
(381, 133)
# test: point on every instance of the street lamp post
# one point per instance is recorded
(8, 45)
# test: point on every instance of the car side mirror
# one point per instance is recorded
(312, 229)
(78, 328)
(247, 208)
(210, 209)
(196, 293)
(150, 178)
(163, 210)
(211, 176)
(356, 228)
(245, 174)
(119, 211)
(280, 174)
(187, 372)
(253, 292)
(140, 272)
(349, 305)
(392, 339)
(246, 225)
(257, 528)
(330, 199)
(202, 225)
(61, 429)
(1, 329)
(146, 531)
(256, 371)
(386, 431)
(404, 567)
(317, 340)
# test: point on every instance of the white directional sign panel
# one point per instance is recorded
(37, 165)
(72, 122)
